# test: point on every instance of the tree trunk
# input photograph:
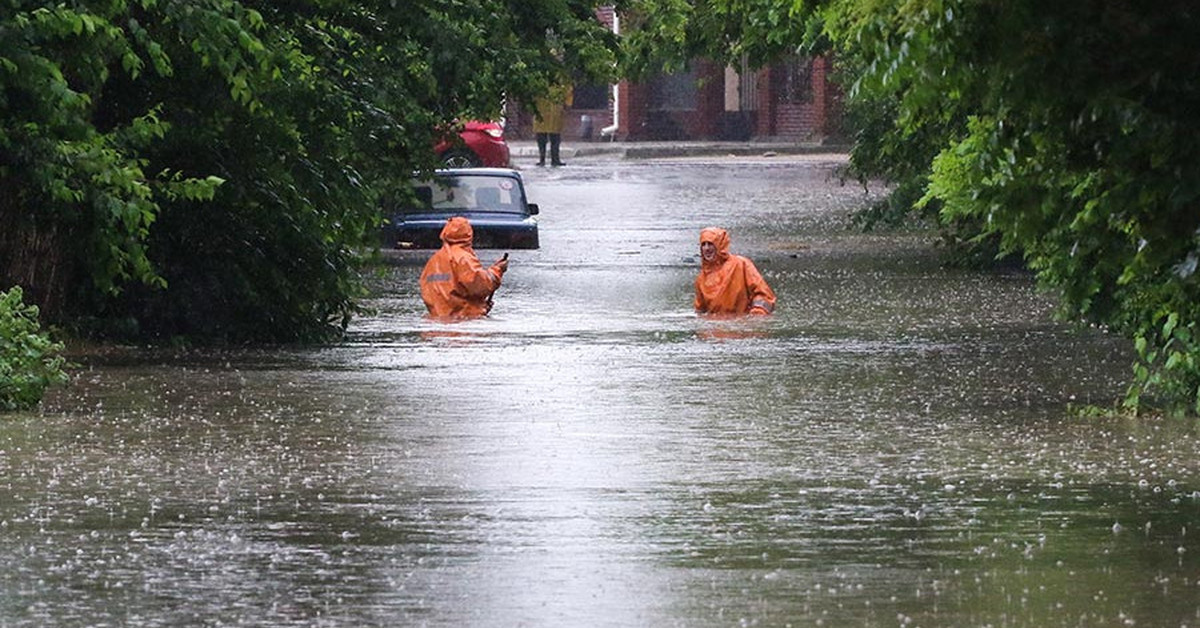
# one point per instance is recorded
(34, 254)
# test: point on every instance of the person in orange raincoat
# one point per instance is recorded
(454, 284)
(728, 283)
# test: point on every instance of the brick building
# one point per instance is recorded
(792, 100)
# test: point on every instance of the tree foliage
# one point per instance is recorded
(667, 33)
(213, 167)
(1078, 150)
(1063, 132)
(30, 361)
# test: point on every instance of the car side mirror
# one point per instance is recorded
(533, 209)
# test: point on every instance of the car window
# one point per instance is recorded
(470, 194)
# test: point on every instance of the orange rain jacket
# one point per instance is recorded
(454, 284)
(730, 284)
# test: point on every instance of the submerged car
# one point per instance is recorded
(493, 199)
(478, 144)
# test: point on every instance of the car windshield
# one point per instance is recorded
(469, 193)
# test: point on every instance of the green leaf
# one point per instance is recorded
(1169, 325)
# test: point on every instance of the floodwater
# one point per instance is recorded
(900, 445)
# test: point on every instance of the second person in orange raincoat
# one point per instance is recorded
(728, 283)
(454, 284)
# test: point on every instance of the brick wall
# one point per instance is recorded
(605, 15)
(698, 120)
(805, 121)
(818, 117)
(800, 122)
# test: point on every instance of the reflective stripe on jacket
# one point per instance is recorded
(454, 284)
(730, 284)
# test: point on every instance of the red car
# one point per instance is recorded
(482, 145)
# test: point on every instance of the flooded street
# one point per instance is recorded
(899, 445)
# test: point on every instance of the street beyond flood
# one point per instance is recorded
(901, 444)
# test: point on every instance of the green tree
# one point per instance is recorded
(75, 198)
(1077, 150)
(213, 167)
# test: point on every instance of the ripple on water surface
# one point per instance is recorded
(896, 446)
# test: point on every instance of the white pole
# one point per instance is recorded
(610, 131)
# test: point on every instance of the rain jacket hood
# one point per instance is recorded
(458, 230)
(730, 284)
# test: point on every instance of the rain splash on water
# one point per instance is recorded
(900, 444)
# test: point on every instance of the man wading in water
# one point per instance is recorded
(454, 284)
(728, 283)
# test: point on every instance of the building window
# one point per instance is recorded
(792, 80)
(674, 92)
(590, 96)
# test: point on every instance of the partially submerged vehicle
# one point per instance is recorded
(493, 199)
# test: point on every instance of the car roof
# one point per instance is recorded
(488, 172)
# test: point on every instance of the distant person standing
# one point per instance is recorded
(728, 283)
(548, 121)
(454, 284)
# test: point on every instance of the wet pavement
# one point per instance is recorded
(900, 445)
(525, 152)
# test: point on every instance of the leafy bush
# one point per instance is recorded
(29, 360)
(1085, 170)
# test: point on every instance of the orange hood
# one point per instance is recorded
(458, 231)
(720, 239)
